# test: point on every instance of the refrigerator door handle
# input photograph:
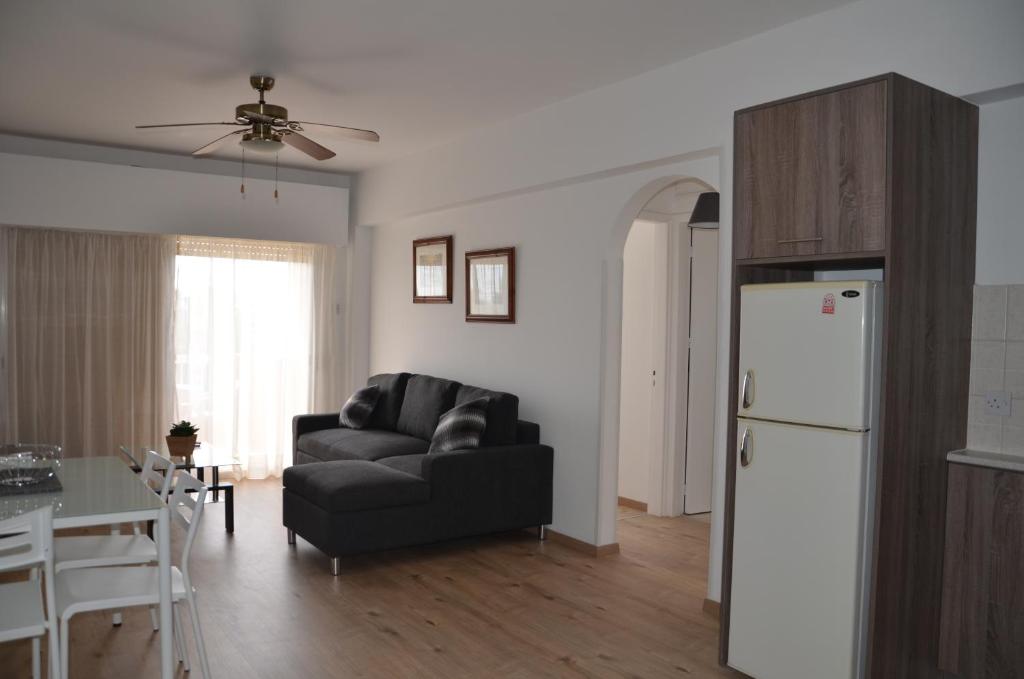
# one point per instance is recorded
(747, 392)
(746, 451)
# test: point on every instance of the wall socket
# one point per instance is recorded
(997, 404)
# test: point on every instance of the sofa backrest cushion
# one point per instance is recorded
(502, 414)
(426, 398)
(389, 404)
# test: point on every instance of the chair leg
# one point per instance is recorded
(33, 574)
(36, 663)
(64, 660)
(154, 617)
(542, 533)
(53, 651)
(193, 612)
(179, 637)
(335, 566)
(291, 537)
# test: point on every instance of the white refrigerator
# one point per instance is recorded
(806, 428)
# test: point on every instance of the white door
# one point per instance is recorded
(798, 557)
(703, 331)
(806, 352)
(641, 403)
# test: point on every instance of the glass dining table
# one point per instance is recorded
(103, 491)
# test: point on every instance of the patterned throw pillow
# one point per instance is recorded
(356, 412)
(460, 428)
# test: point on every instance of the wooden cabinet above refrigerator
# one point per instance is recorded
(811, 174)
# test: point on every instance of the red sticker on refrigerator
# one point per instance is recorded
(828, 304)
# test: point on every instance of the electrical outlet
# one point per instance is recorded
(997, 404)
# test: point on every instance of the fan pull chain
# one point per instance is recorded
(243, 173)
(277, 156)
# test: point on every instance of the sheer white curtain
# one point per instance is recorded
(85, 338)
(255, 343)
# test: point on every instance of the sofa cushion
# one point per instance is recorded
(389, 405)
(425, 399)
(358, 409)
(461, 428)
(358, 444)
(502, 414)
(355, 485)
(410, 464)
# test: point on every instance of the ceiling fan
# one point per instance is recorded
(266, 128)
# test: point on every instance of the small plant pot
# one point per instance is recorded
(181, 446)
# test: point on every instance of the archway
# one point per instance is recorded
(612, 346)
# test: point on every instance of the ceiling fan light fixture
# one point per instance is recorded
(251, 142)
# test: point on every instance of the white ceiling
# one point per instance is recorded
(418, 71)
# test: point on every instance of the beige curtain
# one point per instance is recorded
(256, 343)
(85, 338)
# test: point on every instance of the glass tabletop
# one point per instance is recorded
(205, 455)
(94, 486)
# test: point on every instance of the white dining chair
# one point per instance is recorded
(102, 589)
(89, 551)
(27, 609)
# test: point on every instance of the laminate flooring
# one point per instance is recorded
(498, 606)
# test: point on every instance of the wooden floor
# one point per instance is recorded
(502, 606)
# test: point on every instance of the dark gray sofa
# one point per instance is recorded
(352, 491)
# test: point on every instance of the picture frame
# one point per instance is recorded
(432, 270)
(491, 285)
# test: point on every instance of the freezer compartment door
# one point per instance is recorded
(798, 552)
(807, 351)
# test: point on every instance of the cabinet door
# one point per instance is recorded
(811, 175)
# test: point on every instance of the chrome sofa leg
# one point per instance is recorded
(542, 533)
(291, 537)
(335, 566)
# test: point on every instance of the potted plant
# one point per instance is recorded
(182, 439)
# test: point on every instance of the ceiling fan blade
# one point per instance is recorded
(354, 132)
(144, 127)
(306, 145)
(215, 144)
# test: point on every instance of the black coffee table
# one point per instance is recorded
(205, 457)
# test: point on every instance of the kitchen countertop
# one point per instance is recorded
(981, 458)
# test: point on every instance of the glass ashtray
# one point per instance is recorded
(28, 464)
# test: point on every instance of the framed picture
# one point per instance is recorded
(432, 270)
(491, 285)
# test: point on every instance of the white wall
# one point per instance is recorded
(638, 307)
(80, 194)
(551, 355)
(1000, 182)
(534, 179)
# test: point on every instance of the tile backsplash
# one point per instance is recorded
(997, 364)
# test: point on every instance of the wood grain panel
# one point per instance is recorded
(929, 275)
(1005, 632)
(811, 175)
(966, 567)
(982, 618)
